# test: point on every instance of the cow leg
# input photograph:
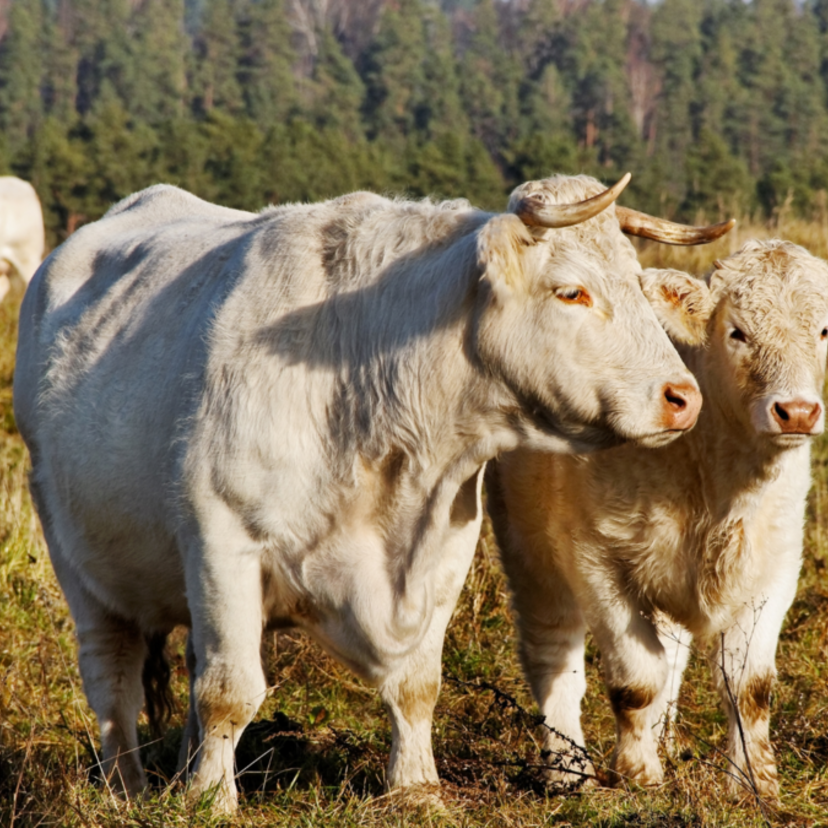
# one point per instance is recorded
(552, 631)
(225, 596)
(111, 655)
(635, 671)
(676, 643)
(410, 692)
(744, 669)
(189, 738)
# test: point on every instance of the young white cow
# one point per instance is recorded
(705, 533)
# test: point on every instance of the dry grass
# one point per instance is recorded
(812, 235)
(316, 753)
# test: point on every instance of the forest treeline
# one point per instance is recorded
(718, 106)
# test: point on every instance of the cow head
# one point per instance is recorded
(764, 319)
(563, 321)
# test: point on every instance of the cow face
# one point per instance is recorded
(764, 320)
(562, 320)
(769, 339)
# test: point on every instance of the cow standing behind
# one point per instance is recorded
(704, 534)
(21, 231)
(243, 421)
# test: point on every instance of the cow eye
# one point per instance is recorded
(574, 296)
(738, 335)
(824, 334)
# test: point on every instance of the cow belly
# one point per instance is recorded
(128, 562)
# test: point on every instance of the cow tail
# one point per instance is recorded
(156, 681)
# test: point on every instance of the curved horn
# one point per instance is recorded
(661, 230)
(532, 211)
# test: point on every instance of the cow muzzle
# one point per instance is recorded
(680, 406)
(796, 416)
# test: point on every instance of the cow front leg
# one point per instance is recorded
(410, 695)
(744, 670)
(410, 692)
(226, 608)
(635, 671)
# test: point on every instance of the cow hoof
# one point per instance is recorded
(217, 799)
(561, 781)
(424, 797)
(766, 789)
(638, 775)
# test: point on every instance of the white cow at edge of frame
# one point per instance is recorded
(21, 232)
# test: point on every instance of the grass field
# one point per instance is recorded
(316, 754)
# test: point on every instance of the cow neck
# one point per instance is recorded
(734, 464)
(444, 410)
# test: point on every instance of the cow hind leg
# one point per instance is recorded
(552, 635)
(551, 640)
(112, 653)
(676, 642)
(189, 738)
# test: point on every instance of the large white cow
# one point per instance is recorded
(642, 545)
(21, 231)
(243, 421)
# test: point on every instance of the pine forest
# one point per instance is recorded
(715, 106)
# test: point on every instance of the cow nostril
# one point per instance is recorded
(675, 400)
(680, 403)
(780, 412)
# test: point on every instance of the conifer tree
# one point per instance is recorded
(21, 74)
(676, 52)
(59, 87)
(216, 62)
(489, 82)
(266, 77)
(393, 71)
(440, 110)
(159, 50)
(103, 36)
(338, 90)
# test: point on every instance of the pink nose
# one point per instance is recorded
(681, 405)
(796, 416)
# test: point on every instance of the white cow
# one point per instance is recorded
(243, 421)
(643, 544)
(21, 231)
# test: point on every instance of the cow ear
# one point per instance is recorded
(502, 244)
(682, 304)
